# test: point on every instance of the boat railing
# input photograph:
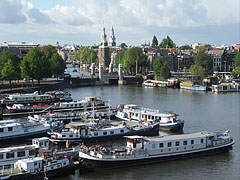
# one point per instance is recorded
(150, 110)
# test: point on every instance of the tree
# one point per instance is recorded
(133, 56)
(123, 46)
(167, 43)
(5, 56)
(236, 72)
(184, 47)
(48, 51)
(9, 71)
(203, 60)
(119, 57)
(35, 65)
(57, 65)
(237, 60)
(160, 68)
(86, 55)
(154, 42)
(197, 70)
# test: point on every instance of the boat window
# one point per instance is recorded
(105, 133)
(70, 135)
(21, 154)
(184, 142)
(63, 135)
(161, 145)
(122, 130)
(31, 152)
(192, 141)
(111, 132)
(1, 130)
(177, 143)
(1, 156)
(95, 134)
(10, 155)
(10, 128)
(153, 146)
(202, 140)
(169, 144)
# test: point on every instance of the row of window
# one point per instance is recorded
(177, 143)
(19, 154)
(9, 129)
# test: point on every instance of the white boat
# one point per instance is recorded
(192, 86)
(132, 112)
(145, 150)
(10, 155)
(22, 130)
(37, 168)
(101, 132)
(149, 83)
(226, 87)
(33, 98)
(73, 105)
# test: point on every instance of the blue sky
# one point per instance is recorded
(135, 21)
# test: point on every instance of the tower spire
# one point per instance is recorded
(112, 39)
(103, 36)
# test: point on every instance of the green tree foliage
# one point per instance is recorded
(57, 64)
(154, 42)
(197, 70)
(86, 55)
(167, 43)
(48, 51)
(160, 68)
(133, 55)
(123, 45)
(184, 47)
(119, 57)
(203, 60)
(236, 72)
(9, 71)
(5, 56)
(35, 65)
(237, 60)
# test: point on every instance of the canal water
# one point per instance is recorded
(202, 111)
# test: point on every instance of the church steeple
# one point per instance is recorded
(103, 37)
(112, 39)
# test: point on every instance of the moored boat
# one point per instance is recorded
(145, 150)
(33, 98)
(101, 132)
(226, 87)
(149, 83)
(22, 130)
(190, 85)
(167, 121)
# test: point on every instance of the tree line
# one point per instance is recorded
(38, 63)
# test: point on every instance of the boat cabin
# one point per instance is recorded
(32, 165)
(74, 104)
(9, 126)
(41, 143)
(134, 142)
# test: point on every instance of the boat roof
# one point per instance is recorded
(33, 159)
(134, 137)
(8, 149)
(179, 136)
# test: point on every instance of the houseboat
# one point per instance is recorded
(10, 155)
(226, 87)
(37, 168)
(190, 85)
(167, 121)
(73, 105)
(22, 130)
(65, 117)
(34, 98)
(96, 133)
(144, 150)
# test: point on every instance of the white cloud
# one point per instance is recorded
(69, 15)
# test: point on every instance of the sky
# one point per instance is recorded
(135, 22)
